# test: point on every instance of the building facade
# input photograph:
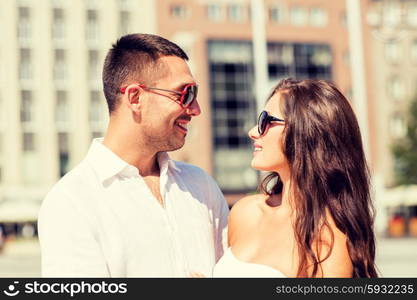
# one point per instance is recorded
(306, 39)
(52, 105)
(51, 100)
(392, 41)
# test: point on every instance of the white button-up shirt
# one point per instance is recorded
(101, 220)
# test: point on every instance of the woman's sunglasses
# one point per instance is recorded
(187, 95)
(264, 120)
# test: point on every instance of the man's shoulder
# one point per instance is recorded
(79, 174)
(190, 170)
(199, 180)
(75, 182)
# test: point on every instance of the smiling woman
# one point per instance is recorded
(314, 217)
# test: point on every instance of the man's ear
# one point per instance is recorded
(134, 93)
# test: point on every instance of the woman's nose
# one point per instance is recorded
(253, 132)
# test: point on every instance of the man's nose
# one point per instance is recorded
(194, 109)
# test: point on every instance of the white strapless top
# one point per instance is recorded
(230, 266)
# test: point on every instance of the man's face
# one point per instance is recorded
(164, 121)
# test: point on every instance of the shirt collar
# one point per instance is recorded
(165, 162)
(107, 164)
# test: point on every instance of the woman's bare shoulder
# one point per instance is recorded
(339, 263)
(247, 204)
(243, 215)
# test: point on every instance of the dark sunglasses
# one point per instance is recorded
(187, 95)
(264, 120)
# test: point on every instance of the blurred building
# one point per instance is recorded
(52, 52)
(306, 39)
(51, 103)
(392, 46)
(391, 27)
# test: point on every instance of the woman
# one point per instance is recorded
(314, 217)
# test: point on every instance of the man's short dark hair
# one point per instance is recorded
(134, 58)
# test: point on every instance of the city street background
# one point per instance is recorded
(396, 257)
(52, 104)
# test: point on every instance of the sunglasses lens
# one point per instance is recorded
(190, 95)
(262, 122)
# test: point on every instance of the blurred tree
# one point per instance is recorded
(405, 149)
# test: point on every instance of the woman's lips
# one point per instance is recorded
(257, 148)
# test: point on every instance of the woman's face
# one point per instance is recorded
(268, 149)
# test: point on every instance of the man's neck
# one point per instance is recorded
(143, 158)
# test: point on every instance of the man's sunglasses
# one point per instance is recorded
(264, 120)
(187, 95)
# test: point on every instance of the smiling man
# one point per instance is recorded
(128, 210)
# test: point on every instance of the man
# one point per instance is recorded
(128, 210)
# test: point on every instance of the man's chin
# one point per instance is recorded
(175, 146)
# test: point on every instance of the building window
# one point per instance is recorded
(318, 17)
(25, 64)
(63, 143)
(298, 16)
(26, 107)
(28, 142)
(233, 103)
(179, 11)
(58, 24)
(60, 65)
(97, 109)
(320, 56)
(24, 26)
(63, 163)
(396, 88)
(276, 14)
(280, 61)
(61, 108)
(125, 4)
(236, 13)
(312, 61)
(124, 22)
(398, 126)
(391, 14)
(63, 147)
(92, 27)
(214, 12)
(412, 15)
(58, 3)
(414, 51)
(299, 61)
(93, 65)
(392, 51)
(233, 112)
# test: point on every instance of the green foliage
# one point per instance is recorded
(405, 150)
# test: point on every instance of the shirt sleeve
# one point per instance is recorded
(68, 245)
(220, 215)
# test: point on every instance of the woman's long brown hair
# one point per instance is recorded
(323, 146)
